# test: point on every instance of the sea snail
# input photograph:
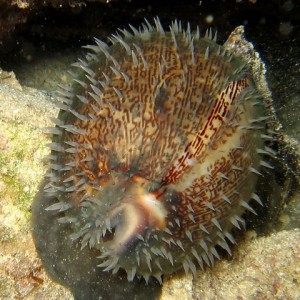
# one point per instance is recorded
(156, 150)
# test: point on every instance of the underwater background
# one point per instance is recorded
(38, 42)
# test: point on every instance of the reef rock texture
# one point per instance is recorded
(22, 147)
(263, 268)
(14, 13)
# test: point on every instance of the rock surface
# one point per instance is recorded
(263, 268)
(23, 115)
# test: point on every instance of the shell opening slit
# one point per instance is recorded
(154, 153)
